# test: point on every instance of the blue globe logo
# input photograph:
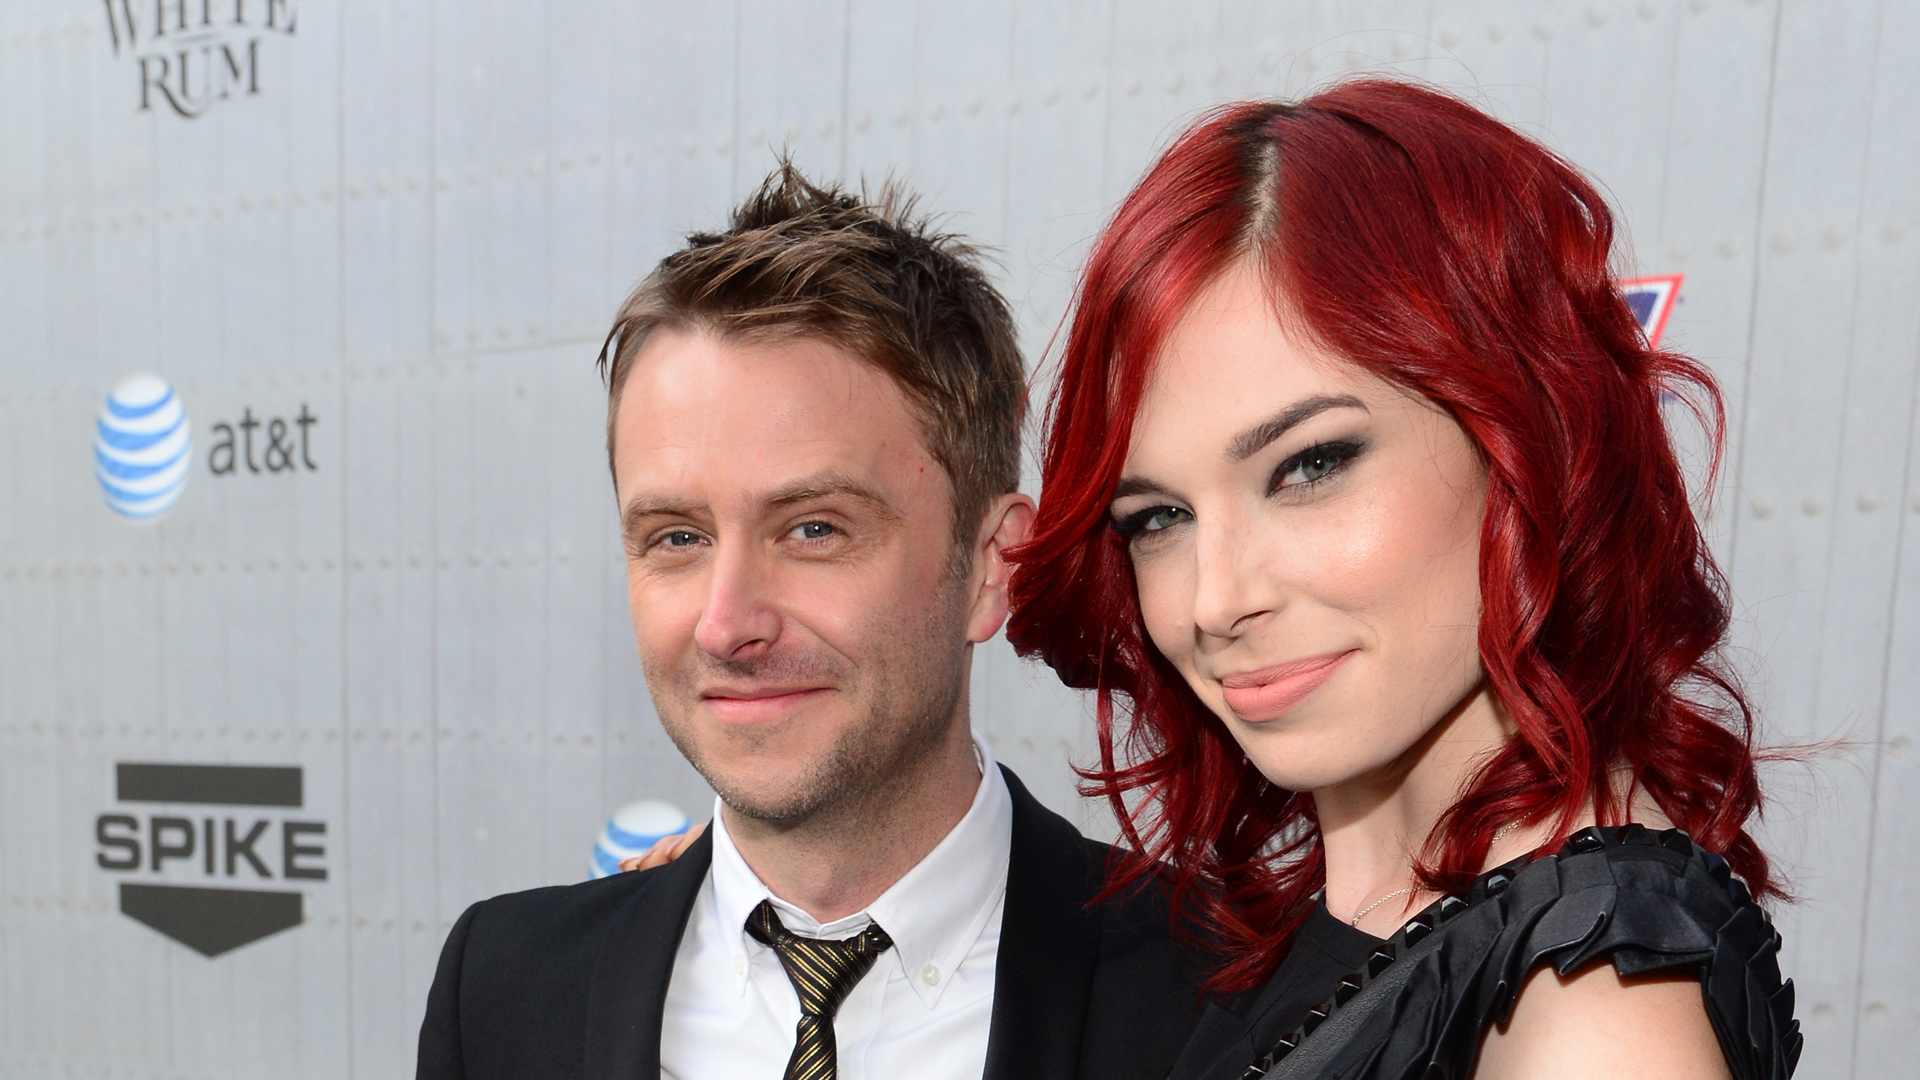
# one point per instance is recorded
(632, 830)
(142, 447)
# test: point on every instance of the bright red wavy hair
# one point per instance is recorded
(1440, 250)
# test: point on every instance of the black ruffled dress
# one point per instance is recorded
(1346, 1005)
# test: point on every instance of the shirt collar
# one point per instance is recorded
(934, 914)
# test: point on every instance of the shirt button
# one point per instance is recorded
(739, 964)
(930, 975)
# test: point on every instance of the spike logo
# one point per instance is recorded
(184, 857)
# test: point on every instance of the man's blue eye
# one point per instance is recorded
(682, 538)
(815, 530)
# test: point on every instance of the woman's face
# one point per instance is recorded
(1306, 539)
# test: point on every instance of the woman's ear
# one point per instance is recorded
(1007, 525)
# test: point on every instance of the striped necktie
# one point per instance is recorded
(823, 974)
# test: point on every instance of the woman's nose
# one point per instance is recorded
(1232, 587)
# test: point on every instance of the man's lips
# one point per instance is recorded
(758, 704)
(1270, 692)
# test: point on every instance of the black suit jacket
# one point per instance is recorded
(571, 982)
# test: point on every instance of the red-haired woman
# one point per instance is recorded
(1359, 511)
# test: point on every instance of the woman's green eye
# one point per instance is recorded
(1164, 517)
(1151, 519)
(1314, 464)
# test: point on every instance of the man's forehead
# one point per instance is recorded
(682, 369)
(715, 490)
(756, 419)
(764, 453)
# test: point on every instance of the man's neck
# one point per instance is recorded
(839, 861)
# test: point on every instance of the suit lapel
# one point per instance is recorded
(627, 997)
(1049, 946)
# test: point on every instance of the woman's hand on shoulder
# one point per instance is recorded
(664, 850)
(1596, 1024)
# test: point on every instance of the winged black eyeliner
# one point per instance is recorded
(1344, 451)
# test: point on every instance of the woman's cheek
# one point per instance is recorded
(1166, 608)
(1355, 556)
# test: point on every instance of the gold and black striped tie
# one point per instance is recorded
(823, 974)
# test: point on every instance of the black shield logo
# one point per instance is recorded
(210, 921)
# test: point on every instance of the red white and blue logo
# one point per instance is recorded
(1651, 301)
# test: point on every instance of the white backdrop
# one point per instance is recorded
(415, 221)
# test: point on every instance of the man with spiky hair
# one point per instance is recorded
(813, 427)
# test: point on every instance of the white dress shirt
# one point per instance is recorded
(923, 1011)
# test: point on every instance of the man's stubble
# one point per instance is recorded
(906, 696)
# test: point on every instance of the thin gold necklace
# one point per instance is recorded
(1362, 913)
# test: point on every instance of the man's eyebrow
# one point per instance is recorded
(832, 485)
(641, 507)
(1256, 438)
(806, 489)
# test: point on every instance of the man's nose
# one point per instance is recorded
(739, 621)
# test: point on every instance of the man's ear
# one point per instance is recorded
(1008, 524)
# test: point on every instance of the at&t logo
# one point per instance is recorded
(141, 447)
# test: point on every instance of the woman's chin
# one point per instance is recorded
(1310, 760)
(1301, 751)
(1305, 770)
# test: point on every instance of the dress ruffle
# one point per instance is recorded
(1646, 901)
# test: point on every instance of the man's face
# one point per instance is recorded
(801, 628)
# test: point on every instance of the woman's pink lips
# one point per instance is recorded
(1269, 693)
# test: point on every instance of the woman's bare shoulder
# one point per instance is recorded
(1596, 1024)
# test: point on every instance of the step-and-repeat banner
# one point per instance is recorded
(312, 621)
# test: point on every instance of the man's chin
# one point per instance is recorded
(775, 803)
(768, 779)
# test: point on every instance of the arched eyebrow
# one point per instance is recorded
(1256, 438)
(1134, 485)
